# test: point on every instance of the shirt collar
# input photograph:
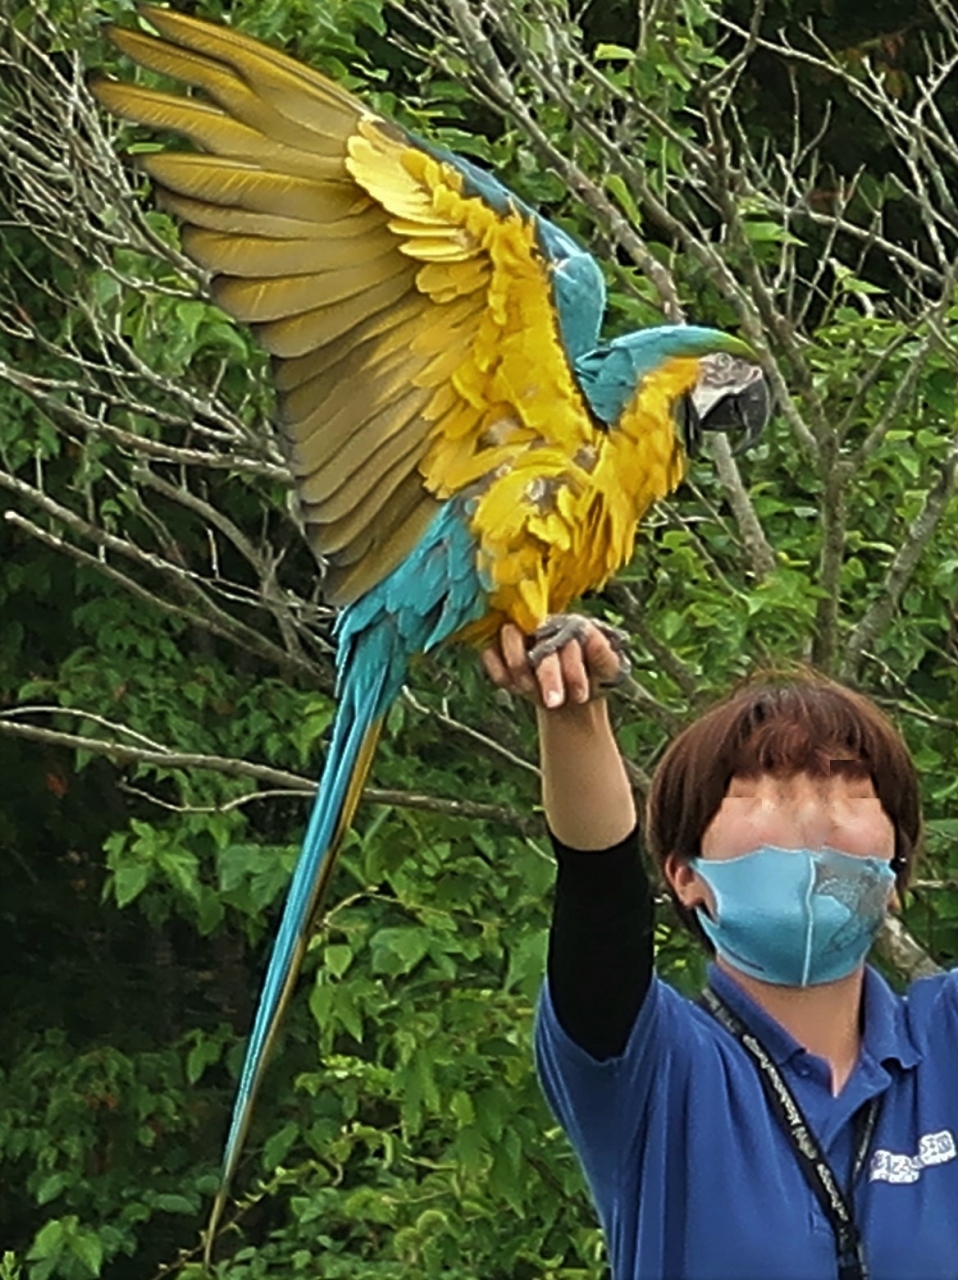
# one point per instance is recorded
(886, 1036)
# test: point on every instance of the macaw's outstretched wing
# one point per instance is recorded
(413, 306)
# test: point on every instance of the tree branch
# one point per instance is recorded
(757, 547)
(182, 579)
(122, 754)
(903, 951)
(902, 567)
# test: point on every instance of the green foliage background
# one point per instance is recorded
(401, 1131)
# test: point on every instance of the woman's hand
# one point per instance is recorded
(573, 675)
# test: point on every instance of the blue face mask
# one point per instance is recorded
(795, 917)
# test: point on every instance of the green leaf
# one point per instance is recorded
(170, 1202)
(129, 881)
(51, 1187)
(10, 1267)
(337, 958)
(203, 1054)
(526, 964)
(617, 186)
(613, 53)
(48, 1241)
(471, 1152)
(278, 1144)
(398, 950)
(460, 1104)
(88, 1247)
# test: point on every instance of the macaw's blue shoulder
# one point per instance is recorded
(609, 375)
(436, 591)
(578, 286)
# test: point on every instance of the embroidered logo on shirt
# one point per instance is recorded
(933, 1148)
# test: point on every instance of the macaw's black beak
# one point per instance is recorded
(737, 403)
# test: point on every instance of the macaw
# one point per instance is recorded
(465, 449)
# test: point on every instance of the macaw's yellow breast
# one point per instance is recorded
(551, 526)
(524, 517)
(643, 462)
(544, 532)
(646, 458)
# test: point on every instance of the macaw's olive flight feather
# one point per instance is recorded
(464, 448)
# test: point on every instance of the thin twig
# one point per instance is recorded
(122, 754)
(458, 726)
(757, 547)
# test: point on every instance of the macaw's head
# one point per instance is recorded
(730, 393)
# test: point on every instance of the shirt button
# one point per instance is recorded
(803, 1070)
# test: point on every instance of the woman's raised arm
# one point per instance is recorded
(600, 944)
(585, 789)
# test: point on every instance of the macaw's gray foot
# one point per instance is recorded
(562, 628)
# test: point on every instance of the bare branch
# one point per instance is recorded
(903, 952)
(498, 87)
(634, 616)
(903, 566)
(489, 744)
(182, 579)
(123, 754)
(760, 554)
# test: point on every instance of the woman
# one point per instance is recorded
(799, 1123)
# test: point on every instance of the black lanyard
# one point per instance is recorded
(836, 1205)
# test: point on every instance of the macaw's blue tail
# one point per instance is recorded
(366, 694)
(431, 595)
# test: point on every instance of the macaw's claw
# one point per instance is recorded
(556, 632)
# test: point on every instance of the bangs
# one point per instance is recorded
(805, 729)
(801, 722)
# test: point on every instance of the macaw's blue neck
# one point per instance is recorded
(608, 379)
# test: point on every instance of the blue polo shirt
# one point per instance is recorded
(693, 1178)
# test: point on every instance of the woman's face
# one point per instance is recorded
(800, 811)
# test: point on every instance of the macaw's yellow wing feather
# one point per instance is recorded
(253, 84)
(238, 185)
(277, 258)
(413, 324)
(300, 335)
(513, 425)
(215, 130)
(257, 299)
(239, 221)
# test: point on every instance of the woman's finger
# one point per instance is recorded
(575, 677)
(551, 684)
(513, 646)
(494, 666)
(601, 660)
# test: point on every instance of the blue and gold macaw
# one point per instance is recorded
(464, 448)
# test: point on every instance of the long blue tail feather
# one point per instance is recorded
(434, 593)
(357, 720)
(354, 719)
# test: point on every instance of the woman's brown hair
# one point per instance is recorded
(797, 723)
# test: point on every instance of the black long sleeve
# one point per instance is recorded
(600, 944)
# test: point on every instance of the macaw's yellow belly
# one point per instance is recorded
(550, 528)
